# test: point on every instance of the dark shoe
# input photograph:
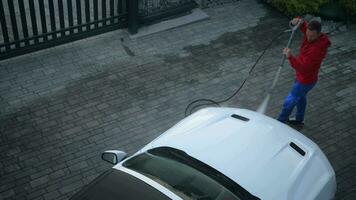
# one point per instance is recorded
(294, 122)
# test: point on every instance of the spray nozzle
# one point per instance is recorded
(295, 27)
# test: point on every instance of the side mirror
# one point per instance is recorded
(113, 156)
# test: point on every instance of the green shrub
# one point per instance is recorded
(299, 7)
(349, 6)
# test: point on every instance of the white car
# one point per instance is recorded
(222, 154)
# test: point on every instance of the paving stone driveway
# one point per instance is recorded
(61, 107)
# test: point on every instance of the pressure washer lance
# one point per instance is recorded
(262, 108)
(208, 102)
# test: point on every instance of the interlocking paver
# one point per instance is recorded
(61, 107)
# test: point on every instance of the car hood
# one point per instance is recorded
(259, 153)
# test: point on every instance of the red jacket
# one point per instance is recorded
(307, 63)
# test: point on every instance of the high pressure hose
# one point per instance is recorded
(263, 106)
(206, 102)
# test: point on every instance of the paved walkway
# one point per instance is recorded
(61, 107)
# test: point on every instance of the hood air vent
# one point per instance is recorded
(297, 148)
(240, 117)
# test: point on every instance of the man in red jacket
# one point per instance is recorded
(306, 66)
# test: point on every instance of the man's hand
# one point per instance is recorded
(295, 21)
(287, 52)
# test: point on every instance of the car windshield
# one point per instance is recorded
(186, 176)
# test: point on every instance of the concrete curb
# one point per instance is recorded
(195, 16)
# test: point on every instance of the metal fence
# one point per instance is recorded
(28, 25)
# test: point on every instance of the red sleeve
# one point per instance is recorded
(304, 27)
(304, 62)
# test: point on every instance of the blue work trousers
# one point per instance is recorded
(296, 97)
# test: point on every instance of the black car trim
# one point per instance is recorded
(297, 148)
(240, 117)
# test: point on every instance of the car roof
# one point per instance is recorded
(116, 184)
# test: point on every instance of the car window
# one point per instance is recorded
(115, 184)
(185, 176)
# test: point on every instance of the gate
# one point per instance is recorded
(30, 25)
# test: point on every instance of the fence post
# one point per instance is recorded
(133, 16)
